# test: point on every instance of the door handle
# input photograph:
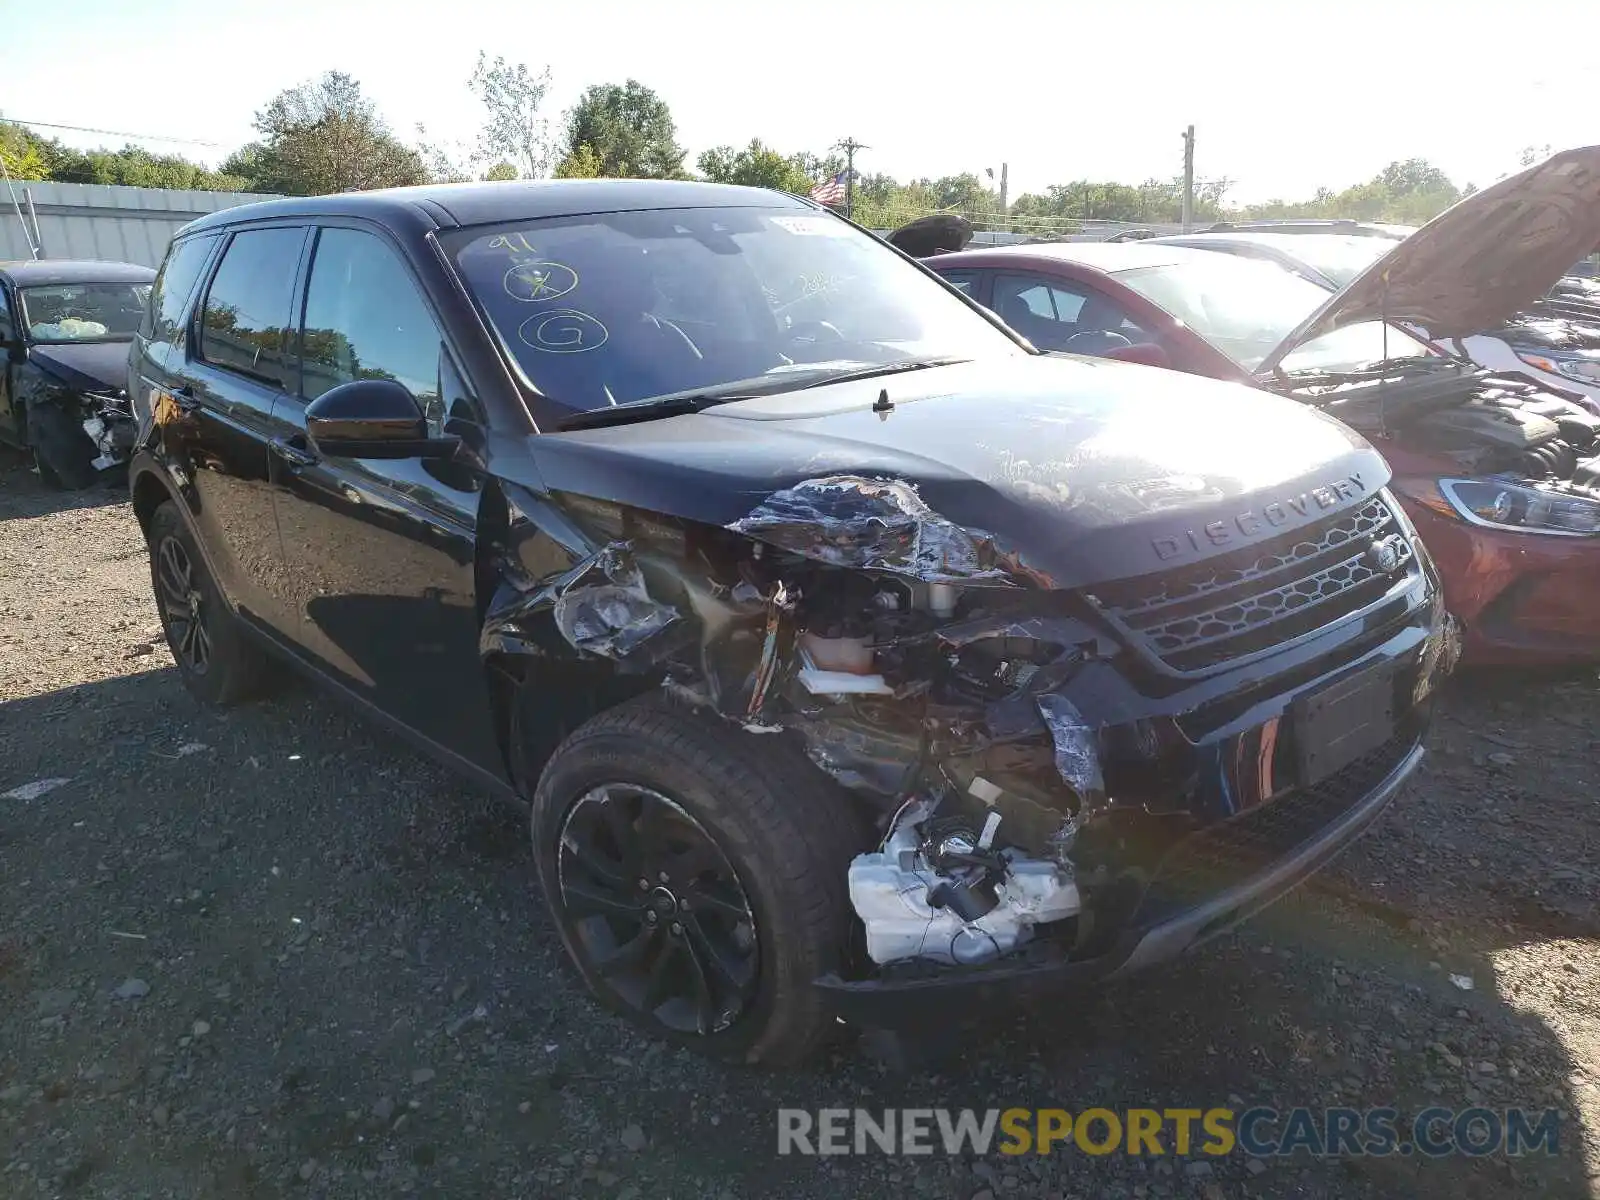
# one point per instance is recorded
(294, 451)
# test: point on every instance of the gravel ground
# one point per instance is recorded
(275, 953)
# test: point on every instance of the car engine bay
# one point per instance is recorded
(1488, 424)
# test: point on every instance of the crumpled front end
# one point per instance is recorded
(102, 413)
(1031, 756)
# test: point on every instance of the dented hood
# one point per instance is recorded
(1478, 262)
(1086, 469)
(84, 366)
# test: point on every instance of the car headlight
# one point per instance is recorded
(1583, 367)
(1523, 507)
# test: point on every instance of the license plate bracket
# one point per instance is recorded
(1338, 723)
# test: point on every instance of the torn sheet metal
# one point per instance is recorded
(600, 607)
(1077, 751)
(873, 524)
(1438, 660)
(604, 608)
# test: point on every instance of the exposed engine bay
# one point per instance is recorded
(1488, 424)
(916, 661)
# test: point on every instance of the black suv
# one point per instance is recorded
(850, 654)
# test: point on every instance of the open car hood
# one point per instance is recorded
(1479, 261)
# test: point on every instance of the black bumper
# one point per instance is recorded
(899, 1002)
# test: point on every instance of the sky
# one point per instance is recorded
(1285, 97)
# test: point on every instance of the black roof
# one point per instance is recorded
(448, 205)
(46, 271)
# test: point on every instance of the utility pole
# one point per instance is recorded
(1188, 178)
(1004, 168)
(850, 146)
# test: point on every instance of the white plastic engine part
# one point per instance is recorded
(889, 891)
(852, 655)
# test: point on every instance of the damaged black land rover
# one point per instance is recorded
(64, 333)
(852, 656)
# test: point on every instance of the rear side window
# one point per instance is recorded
(247, 311)
(966, 281)
(365, 319)
(163, 320)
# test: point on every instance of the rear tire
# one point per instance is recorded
(217, 662)
(739, 849)
(62, 451)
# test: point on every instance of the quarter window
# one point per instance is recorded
(365, 319)
(247, 309)
(163, 320)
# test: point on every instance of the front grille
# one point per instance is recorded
(1221, 856)
(1239, 604)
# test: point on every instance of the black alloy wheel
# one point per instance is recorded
(655, 910)
(216, 661)
(183, 606)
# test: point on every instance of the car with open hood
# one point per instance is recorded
(1554, 339)
(1500, 473)
(856, 661)
(64, 329)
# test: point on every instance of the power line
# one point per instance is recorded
(138, 137)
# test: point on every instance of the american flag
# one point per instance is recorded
(831, 192)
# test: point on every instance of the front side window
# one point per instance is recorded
(176, 279)
(83, 312)
(365, 319)
(614, 308)
(244, 324)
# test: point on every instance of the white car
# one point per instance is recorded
(1555, 341)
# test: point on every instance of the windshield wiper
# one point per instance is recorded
(888, 368)
(679, 403)
(662, 406)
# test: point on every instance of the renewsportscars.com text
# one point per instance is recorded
(1259, 1132)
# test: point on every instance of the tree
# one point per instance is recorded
(326, 137)
(581, 163)
(514, 131)
(501, 171)
(629, 129)
(20, 151)
(757, 165)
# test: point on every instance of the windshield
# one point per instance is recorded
(1340, 257)
(1245, 308)
(615, 308)
(83, 312)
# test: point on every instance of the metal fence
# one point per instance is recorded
(120, 224)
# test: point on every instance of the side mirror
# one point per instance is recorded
(373, 418)
(1148, 353)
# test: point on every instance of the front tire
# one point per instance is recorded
(62, 451)
(697, 877)
(217, 663)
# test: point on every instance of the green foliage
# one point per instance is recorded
(580, 163)
(1406, 193)
(501, 171)
(29, 156)
(629, 129)
(325, 137)
(21, 153)
(757, 165)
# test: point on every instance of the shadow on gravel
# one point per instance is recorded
(23, 494)
(352, 921)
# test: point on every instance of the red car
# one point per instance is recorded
(1501, 476)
